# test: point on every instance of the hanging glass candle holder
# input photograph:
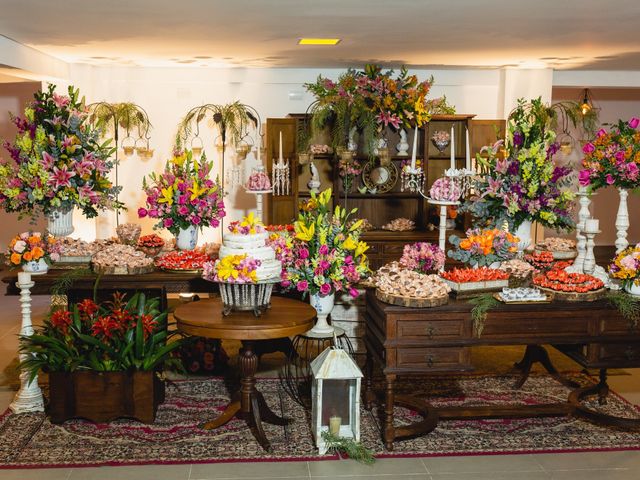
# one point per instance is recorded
(128, 145)
(197, 146)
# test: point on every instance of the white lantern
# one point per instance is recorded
(335, 396)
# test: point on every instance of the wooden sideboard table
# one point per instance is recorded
(285, 318)
(408, 341)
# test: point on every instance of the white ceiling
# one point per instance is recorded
(561, 34)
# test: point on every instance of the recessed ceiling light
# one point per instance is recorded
(318, 41)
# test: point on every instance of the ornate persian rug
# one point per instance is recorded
(30, 440)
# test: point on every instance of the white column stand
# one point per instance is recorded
(581, 239)
(622, 221)
(259, 202)
(442, 228)
(29, 397)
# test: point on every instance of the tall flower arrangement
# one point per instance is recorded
(58, 161)
(183, 195)
(328, 256)
(613, 157)
(520, 181)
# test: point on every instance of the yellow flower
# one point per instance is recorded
(349, 244)
(179, 160)
(167, 196)
(303, 232)
(361, 248)
(325, 197)
(196, 191)
(355, 226)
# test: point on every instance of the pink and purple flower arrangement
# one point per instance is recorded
(183, 195)
(422, 257)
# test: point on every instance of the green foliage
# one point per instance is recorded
(114, 336)
(126, 115)
(348, 446)
(482, 304)
(232, 120)
(627, 305)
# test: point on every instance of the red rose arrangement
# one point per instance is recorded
(466, 275)
(562, 281)
(186, 260)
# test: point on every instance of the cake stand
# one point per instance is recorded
(259, 194)
(442, 228)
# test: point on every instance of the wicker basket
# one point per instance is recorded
(255, 297)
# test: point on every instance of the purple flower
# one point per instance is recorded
(142, 212)
(632, 170)
(552, 150)
(303, 253)
(634, 122)
(353, 292)
(601, 133)
(518, 139)
(325, 289)
(588, 148)
(584, 177)
(324, 250)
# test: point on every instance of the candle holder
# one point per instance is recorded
(590, 267)
(280, 177)
(584, 199)
(412, 179)
(29, 397)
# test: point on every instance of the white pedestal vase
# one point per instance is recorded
(633, 289)
(523, 232)
(36, 267)
(29, 397)
(187, 238)
(324, 306)
(60, 223)
(622, 221)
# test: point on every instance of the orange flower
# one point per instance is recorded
(465, 244)
(37, 253)
(27, 256)
(16, 258)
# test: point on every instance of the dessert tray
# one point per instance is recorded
(182, 261)
(406, 288)
(468, 281)
(570, 287)
(120, 259)
(523, 296)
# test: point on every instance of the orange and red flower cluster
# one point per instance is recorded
(32, 246)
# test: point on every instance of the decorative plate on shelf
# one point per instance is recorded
(379, 178)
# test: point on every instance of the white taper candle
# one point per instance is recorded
(415, 149)
(453, 149)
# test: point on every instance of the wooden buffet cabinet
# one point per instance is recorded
(418, 342)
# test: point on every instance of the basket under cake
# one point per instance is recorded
(411, 301)
(252, 297)
(122, 270)
(576, 296)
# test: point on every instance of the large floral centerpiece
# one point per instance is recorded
(422, 257)
(58, 160)
(626, 267)
(484, 247)
(371, 100)
(613, 157)
(33, 248)
(183, 197)
(519, 180)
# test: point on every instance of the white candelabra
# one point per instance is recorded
(622, 221)
(29, 397)
(280, 174)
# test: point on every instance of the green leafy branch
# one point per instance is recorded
(354, 450)
(627, 305)
(482, 304)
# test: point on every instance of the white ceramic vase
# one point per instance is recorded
(60, 223)
(523, 232)
(36, 267)
(187, 238)
(403, 145)
(323, 306)
(633, 289)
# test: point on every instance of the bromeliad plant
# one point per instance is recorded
(118, 335)
(328, 255)
(519, 180)
(484, 247)
(183, 195)
(613, 157)
(58, 160)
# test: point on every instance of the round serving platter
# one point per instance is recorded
(411, 301)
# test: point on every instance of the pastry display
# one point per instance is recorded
(400, 225)
(561, 281)
(445, 189)
(73, 250)
(475, 279)
(118, 259)
(248, 237)
(259, 181)
(560, 248)
(542, 260)
(399, 286)
(128, 233)
(182, 261)
(522, 295)
(517, 268)
(150, 245)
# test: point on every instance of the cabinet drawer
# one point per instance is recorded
(433, 359)
(394, 248)
(374, 247)
(430, 329)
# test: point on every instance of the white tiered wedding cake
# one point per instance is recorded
(248, 237)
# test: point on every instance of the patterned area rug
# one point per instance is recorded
(30, 440)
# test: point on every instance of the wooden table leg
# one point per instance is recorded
(389, 430)
(368, 382)
(536, 353)
(230, 411)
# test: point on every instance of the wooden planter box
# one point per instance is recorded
(104, 396)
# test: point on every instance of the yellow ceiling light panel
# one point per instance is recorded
(318, 41)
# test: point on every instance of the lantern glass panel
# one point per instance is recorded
(336, 400)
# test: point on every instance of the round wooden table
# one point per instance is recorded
(285, 318)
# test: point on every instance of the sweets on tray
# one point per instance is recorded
(128, 233)
(557, 244)
(407, 283)
(182, 260)
(151, 245)
(467, 275)
(118, 259)
(210, 249)
(74, 247)
(522, 294)
(540, 260)
(562, 281)
(400, 225)
(517, 268)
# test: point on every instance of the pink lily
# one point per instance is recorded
(61, 101)
(87, 192)
(48, 160)
(61, 177)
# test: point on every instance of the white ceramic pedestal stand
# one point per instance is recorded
(29, 397)
(324, 307)
(590, 267)
(259, 194)
(622, 221)
(442, 228)
(581, 240)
